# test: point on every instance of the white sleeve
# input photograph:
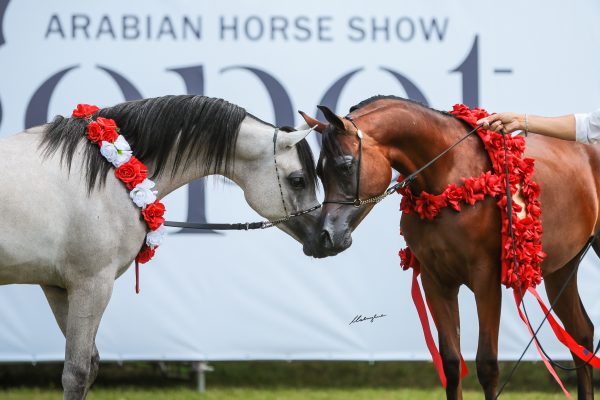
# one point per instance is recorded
(587, 127)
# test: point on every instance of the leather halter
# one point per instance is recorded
(251, 225)
(356, 202)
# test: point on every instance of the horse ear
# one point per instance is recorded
(287, 140)
(332, 118)
(319, 126)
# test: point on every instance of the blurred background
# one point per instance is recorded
(251, 304)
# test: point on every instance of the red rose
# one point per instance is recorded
(94, 132)
(132, 172)
(106, 123)
(153, 214)
(110, 135)
(84, 110)
(110, 129)
(145, 254)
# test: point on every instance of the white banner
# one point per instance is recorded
(254, 295)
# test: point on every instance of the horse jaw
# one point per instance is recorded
(254, 171)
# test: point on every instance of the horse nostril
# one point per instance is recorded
(325, 239)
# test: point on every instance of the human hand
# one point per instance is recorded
(507, 122)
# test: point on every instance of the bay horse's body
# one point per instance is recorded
(68, 225)
(462, 248)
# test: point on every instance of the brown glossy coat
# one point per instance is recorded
(464, 248)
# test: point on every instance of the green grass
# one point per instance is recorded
(270, 380)
(266, 394)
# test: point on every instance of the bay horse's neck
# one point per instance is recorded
(414, 135)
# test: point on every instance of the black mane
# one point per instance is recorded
(194, 127)
(391, 97)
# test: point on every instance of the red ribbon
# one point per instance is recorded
(433, 350)
(518, 301)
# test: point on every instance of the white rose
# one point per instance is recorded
(155, 238)
(123, 151)
(109, 151)
(142, 195)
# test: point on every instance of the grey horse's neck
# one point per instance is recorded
(252, 147)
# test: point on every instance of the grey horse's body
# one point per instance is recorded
(75, 243)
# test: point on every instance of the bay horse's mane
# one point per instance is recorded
(391, 97)
(331, 145)
(195, 127)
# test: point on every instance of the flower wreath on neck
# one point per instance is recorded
(132, 172)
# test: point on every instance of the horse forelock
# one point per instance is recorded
(193, 128)
(330, 144)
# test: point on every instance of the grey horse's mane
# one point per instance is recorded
(194, 127)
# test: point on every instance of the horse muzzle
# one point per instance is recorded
(334, 237)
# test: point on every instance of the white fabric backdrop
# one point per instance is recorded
(254, 295)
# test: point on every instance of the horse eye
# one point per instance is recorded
(297, 181)
(346, 168)
(345, 165)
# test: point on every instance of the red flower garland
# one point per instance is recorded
(131, 173)
(527, 231)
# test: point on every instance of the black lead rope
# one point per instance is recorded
(220, 227)
(246, 226)
(560, 292)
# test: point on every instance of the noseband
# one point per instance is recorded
(357, 202)
(251, 225)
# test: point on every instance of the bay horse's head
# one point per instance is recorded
(352, 166)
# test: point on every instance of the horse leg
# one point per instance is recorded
(443, 300)
(488, 297)
(571, 312)
(87, 303)
(58, 301)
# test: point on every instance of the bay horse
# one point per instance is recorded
(69, 225)
(462, 248)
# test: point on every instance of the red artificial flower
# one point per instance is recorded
(84, 110)
(94, 132)
(153, 214)
(145, 254)
(492, 184)
(428, 206)
(453, 195)
(109, 127)
(132, 172)
(473, 190)
(408, 260)
(405, 258)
